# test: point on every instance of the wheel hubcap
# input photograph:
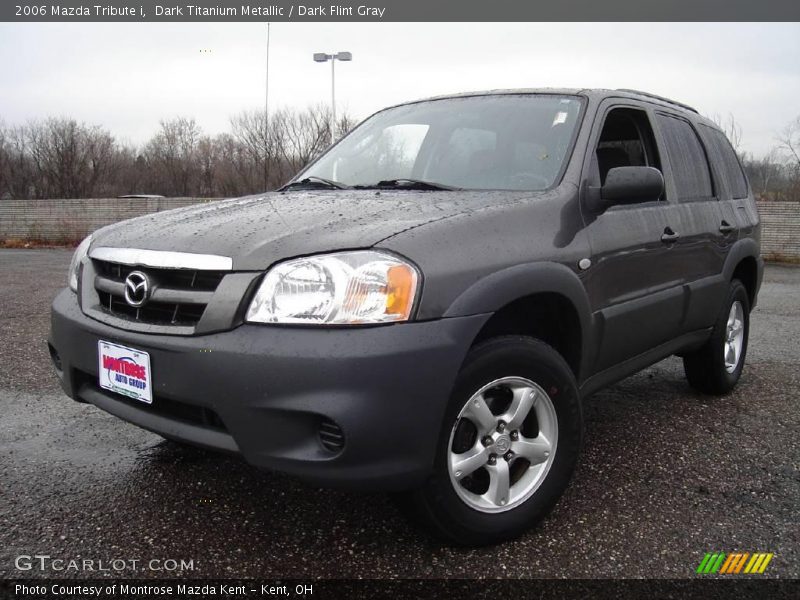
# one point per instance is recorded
(502, 444)
(734, 337)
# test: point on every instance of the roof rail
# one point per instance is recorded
(656, 97)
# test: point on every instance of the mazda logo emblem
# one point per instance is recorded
(137, 289)
(503, 444)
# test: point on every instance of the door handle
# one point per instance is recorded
(726, 227)
(669, 236)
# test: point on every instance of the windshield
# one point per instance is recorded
(507, 142)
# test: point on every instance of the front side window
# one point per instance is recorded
(687, 159)
(626, 140)
(512, 142)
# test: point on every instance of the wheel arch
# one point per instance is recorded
(545, 300)
(745, 264)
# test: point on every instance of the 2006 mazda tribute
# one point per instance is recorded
(423, 308)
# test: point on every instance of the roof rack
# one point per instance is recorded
(656, 97)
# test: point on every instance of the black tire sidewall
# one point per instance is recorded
(725, 381)
(503, 357)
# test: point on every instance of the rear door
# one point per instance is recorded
(695, 218)
(733, 190)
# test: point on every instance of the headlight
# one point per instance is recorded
(75, 264)
(345, 288)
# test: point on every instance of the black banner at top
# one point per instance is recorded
(398, 10)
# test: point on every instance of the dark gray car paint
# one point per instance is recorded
(642, 298)
(258, 231)
(271, 385)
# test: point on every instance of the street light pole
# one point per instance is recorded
(322, 57)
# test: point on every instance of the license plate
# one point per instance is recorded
(125, 371)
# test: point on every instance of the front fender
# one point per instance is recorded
(493, 292)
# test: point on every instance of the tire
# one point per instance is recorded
(711, 369)
(453, 504)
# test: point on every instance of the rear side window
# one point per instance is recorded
(687, 157)
(728, 163)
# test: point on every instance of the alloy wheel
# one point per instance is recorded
(502, 444)
(734, 337)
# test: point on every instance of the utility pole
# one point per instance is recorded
(266, 120)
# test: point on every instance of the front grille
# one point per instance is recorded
(179, 296)
(157, 313)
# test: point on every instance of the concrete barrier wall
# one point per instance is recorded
(69, 220)
(58, 221)
(780, 230)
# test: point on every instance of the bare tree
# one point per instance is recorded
(278, 148)
(172, 155)
(101, 155)
(130, 172)
(20, 176)
(345, 123)
(732, 130)
(4, 158)
(60, 157)
(763, 172)
(250, 131)
(207, 163)
(302, 136)
(234, 167)
(789, 142)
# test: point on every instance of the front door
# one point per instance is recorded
(634, 281)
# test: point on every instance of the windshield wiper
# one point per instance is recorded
(313, 181)
(408, 184)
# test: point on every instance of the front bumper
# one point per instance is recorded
(262, 391)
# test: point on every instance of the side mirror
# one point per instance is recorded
(631, 185)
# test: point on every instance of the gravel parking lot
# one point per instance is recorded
(666, 475)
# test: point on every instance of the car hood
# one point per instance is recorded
(257, 231)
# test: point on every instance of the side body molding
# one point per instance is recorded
(500, 288)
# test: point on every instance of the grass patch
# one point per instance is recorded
(22, 244)
(780, 257)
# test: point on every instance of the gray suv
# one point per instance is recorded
(424, 307)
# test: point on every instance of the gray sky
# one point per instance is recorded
(128, 76)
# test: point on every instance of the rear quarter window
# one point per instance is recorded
(727, 162)
(686, 157)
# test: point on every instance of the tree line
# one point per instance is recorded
(776, 174)
(59, 157)
(62, 158)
